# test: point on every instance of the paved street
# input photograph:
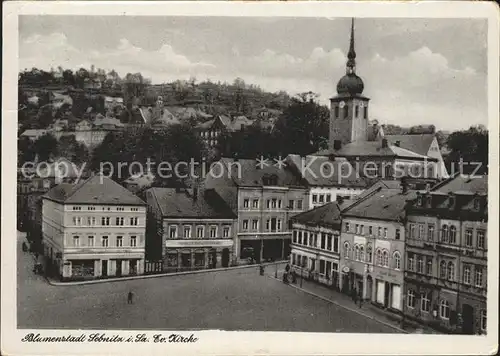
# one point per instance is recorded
(232, 300)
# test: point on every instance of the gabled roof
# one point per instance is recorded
(381, 204)
(416, 143)
(463, 184)
(310, 168)
(95, 190)
(181, 204)
(34, 132)
(328, 215)
(372, 148)
(247, 173)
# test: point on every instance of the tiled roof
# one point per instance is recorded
(328, 214)
(180, 204)
(416, 143)
(464, 184)
(310, 168)
(383, 201)
(371, 148)
(245, 172)
(100, 121)
(95, 190)
(141, 181)
(34, 132)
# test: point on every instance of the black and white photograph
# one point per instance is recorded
(250, 178)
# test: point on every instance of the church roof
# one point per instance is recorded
(416, 143)
(372, 148)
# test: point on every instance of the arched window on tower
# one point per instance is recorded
(356, 111)
(365, 108)
(346, 111)
(337, 112)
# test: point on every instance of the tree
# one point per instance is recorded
(46, 147)
(303, 126)
(45, 117)
(25, 151)
(469, 146)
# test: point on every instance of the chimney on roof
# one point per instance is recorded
(384, 143)
(195, 194)
(337, 145)
(398, 143)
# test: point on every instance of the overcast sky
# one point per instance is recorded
(416, 71)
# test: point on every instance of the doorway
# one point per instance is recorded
(118, 268)
(467, 319)
(369, 287)
(225, 257)
(387, 294)
(104, 268)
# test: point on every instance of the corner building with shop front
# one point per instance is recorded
(194, 227)
(446, 270)
(373, 245)
(93, 229)
(316, 244)
(264, 197)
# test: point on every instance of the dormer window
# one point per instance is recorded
(451, 201)
(477, 203)
(429, 201)
(419, 201)
(271, 180)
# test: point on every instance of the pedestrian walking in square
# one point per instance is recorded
(130, 298)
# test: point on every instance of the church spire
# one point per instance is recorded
(351, 55)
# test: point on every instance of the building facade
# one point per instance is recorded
(327, 179)
(315, 245)
(195, 229)
(446, 270)
(93, 229)
(264, 200)
(373, 245)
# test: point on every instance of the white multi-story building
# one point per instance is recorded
(328, 180)
(93, 229)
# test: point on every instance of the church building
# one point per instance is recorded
(375, 155)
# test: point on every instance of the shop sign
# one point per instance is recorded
(198, 243)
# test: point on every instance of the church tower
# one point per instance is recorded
(349, 108)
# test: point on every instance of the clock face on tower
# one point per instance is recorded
(342, 104)
(361, 104)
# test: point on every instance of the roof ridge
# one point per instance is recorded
(78, 188)
(362, 199)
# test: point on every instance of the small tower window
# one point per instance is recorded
(366, 112)
(346, 111)
(336, 112)
(356, 112)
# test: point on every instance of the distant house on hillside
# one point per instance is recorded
(111, 102)
(211, 130)
(34, 134)
(59, 100)
(159, 116)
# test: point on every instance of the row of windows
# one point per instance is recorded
(105, 221)
(381, 255)
(448, 234)
(207, 134)
(359, 229)
(327, 242)
(321, 198)
(272, 224)
(273, 203)
(200, 231)
(132, 241)
(104, 208)
(444, 306)
(356, 111)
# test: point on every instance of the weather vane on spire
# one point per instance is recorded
(351, 55)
